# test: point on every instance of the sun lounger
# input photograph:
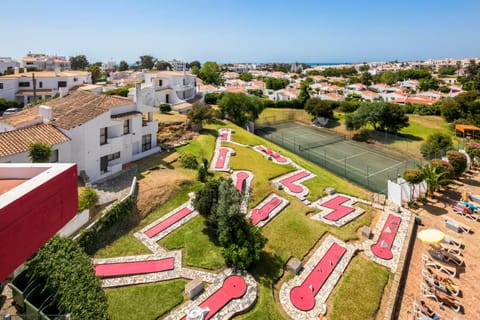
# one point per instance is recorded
(456, 226)
(465, 212)
(417, 312)
(452, 258)
(450, 249)
(444, 284)
(442, 299)
(453, 241)
(429, 262)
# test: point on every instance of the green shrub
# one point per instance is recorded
(87, 198)
(458, 161)
(436, 145)
(165, 107)
(64, 269)
(444, 166)
(473, 150)
(40, 152)
(188, 161)
(211, 98)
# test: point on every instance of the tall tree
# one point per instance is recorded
(210, 73)
(122, 66)
(79, 62)
(163, 65)
(194, 63)
(199, 113)
(95, 71)
(146, 62)
(240, 108)
(319, 108)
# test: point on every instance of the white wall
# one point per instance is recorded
(64, 155)
(75, 224)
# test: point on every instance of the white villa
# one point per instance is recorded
(171, 87)
(98, 132)
(19, 86)
(41, 61)
(7, 62)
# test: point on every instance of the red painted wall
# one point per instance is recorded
(29, 222)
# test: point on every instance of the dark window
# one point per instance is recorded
(25, 84)
(167, 98)
(103, 135)
(146, 142)
(40, 84)
(54, 156)
(126, 127)
(160, 83)
(113, 156)
(62, 84)
(103, 164)
(1, 85)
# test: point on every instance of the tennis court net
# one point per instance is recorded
(321, 143)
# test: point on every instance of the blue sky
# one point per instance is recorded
(239, 31)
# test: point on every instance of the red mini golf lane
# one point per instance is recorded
(234, 287)
(303, 296)
(222, 156)
(289, 182)
(273, 154)
(156, 229)
(339, 211)
(260, 214)
(241, 177)
(129, 268)
(383, 247)
(224, 134)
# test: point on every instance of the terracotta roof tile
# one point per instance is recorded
(71, 111)
(17, 141)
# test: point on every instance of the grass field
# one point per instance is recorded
(143, 301)
(364, 280)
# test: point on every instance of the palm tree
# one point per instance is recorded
(433, 177)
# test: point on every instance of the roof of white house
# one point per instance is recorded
(45, 74)
(17, 141)
(71, 111)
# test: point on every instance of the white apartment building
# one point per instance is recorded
(7, 62)
(41, 61)
(171, 87)
(98, 132)
(19, 86)
(178, 65)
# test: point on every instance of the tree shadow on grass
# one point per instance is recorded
(333, 123)
(211, 132)
(212, 235)
(269, 269)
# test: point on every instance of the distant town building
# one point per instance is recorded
(178, 65)
(7, 62)
(41, 61)
(19, 86)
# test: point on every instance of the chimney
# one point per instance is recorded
(138, 87)
(16, 70)
(46, 113)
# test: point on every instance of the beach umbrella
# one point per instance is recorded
(431, 236)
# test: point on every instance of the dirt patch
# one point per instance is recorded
(175, 132)
(157, 187)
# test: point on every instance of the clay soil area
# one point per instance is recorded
(468, 276)
(173, 129)
(159, 181)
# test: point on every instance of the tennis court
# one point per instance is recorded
(367, 165)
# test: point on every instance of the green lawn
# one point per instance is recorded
(144, 301)
(364, 280)
(198, 250)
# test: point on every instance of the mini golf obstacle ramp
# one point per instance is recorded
(242, 181)
(292, 183)
(266, 210)
(338, 209)
(383, 247)
(305, 296)
(135, 267)
(272, 155)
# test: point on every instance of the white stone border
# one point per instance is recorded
(284, 202)
(246, 196)
(269, 157)
(349, 204)
(226, 164)
(327, 288)
(301, 195)
(234, 307)
(397, 243)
